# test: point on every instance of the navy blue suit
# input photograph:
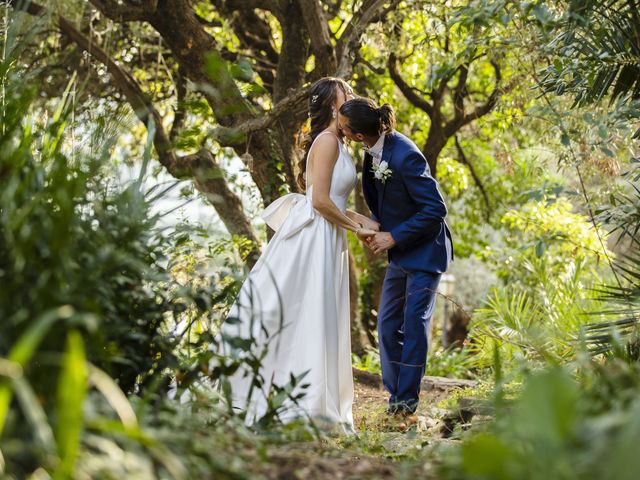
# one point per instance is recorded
(408, 205)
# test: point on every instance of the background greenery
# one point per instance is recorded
(118, 128)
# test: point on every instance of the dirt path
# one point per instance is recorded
(377, 452)
(370, 401)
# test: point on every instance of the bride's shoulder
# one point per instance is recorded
(326, 143)
(327, 136)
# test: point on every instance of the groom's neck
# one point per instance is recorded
(370, 141)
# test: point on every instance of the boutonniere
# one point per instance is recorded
(382, 171)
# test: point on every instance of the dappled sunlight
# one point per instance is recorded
(149, 162)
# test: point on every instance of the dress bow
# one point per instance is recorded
(289, 213)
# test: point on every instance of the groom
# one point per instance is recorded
(404, 199)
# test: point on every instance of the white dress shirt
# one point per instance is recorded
(376, 150)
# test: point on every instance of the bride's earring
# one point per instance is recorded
(333, 114)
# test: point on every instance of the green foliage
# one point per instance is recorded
(538, 322)
(542, 235)
(595, 48)
(597, 51)
(440, 363)
(578, 420)
(619, 332)
(85, 284)
(72, 388)
(69, 239)
(92, 295)
(369, 362)
(559, 427)
(549, 266)
(622, 214)
(454, 363)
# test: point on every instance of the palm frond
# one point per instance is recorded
(599, 48)
(623, 327)
(623, 215)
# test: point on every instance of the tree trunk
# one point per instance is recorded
(291, 76)
(458, 328)
(358, 338)
(372, 278)
(194, 49)
(436, 141)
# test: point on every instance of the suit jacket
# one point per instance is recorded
(409, 205)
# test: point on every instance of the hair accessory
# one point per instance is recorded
(314, 98)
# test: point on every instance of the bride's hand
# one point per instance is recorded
(371, 224)
(365, 233)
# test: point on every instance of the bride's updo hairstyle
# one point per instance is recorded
(322, 101)
(366, 118)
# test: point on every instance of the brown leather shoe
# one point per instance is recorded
(394, 423)
(400, 421)
(409, 419)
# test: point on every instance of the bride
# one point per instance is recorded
(295, 302)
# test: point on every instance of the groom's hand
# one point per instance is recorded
(381, 242)
(365, 235)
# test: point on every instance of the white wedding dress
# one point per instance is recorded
(295, 302)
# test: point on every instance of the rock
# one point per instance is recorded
(428, 382)
(444, 383)
(479, 406)
(427, 424)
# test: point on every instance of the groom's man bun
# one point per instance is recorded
(367, 118)
(387, 117)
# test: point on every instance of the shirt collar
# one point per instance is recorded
(376, 150)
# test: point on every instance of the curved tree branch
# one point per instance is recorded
(209, 178)
(460, 120)
(350, 40)
(254, 34)
(411, 95)
(195, 50)
(442, 128)
(126, 11)
(201, 167)
(460, 92)
(233, 136)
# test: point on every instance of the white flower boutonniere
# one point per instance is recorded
(382, 171)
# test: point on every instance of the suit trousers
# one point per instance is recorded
(406, 307)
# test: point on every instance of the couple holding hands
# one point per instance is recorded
(295, 301)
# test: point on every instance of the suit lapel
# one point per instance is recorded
(386, 157)
(369, 188)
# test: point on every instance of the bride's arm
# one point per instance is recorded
(324, 156)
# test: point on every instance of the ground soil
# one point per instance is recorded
(379, 451)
